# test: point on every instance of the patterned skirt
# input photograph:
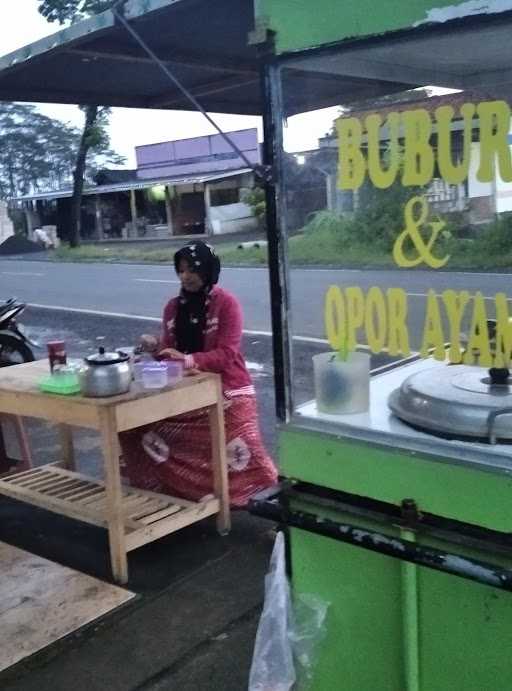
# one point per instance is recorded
(173, 456)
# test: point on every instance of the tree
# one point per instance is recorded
(63, 11)
(35, 151)
(39, 153)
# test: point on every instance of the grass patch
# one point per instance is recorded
(228, 252)
(327, 240)
(98, 253)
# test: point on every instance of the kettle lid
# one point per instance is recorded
(103, 358)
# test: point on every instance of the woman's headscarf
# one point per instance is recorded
(193, 307)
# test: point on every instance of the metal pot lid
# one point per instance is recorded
(456, 402)
(103, 358)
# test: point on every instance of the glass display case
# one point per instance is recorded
(406, 203)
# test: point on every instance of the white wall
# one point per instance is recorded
(6, 226)
(230, 218)
(503, 194)
(475, 187)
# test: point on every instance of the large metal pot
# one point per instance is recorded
(106, 374)
(458, 402)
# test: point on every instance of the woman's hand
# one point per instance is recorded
(171, 354)
(148, 343)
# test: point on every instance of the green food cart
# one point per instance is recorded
(396, 487)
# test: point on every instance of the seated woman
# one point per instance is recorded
(202, 327)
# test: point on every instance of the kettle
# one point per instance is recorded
(105, 374)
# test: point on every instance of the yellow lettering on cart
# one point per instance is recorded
(454, 174)
(398, 334)
(415, 216)
(335, 317)
(503, 352)
(361, 143)
(455, 304)
(352, 164)
(418, 157)
(381, 177)
(383, 320)
(433, 336)
(478, 335)
(375, 322)
(355, 314)
(494, 128)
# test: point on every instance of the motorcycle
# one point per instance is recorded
(15, 346)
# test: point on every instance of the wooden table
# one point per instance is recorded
(132, 516)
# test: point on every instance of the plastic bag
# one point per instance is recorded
(308, 630)
(272, 666)
(288, 636)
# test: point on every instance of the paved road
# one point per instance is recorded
(142, 289)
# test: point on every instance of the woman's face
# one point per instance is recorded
(190, 280)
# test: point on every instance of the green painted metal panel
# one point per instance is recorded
(463, 628)
(361, 648)
(438, 486)
(465, 634)
(301, 24)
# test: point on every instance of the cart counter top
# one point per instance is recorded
(380, 426)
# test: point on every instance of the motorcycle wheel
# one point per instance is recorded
(13, 351)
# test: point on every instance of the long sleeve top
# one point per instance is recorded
(222, 342)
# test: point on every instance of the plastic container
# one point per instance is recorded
(140, 360)
(174, 371)
(342, 386)
(154, 375)
(64, 381)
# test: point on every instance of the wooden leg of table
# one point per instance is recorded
(220, 465)
(109, 442)
(68, 450)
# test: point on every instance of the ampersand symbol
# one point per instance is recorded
(413, 222)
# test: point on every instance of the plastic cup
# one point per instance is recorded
(56, 353)
(342, 386)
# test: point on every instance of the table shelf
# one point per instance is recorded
(132, 516)
(146, 515)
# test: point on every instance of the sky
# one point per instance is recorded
(20, 24)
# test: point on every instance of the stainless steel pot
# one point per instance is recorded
(106, 374)
(458, 402)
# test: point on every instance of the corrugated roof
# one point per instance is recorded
(132, 185)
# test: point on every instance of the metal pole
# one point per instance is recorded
(455, 564)
(276, 235)
(410, 626)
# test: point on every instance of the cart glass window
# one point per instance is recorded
(404, 207)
